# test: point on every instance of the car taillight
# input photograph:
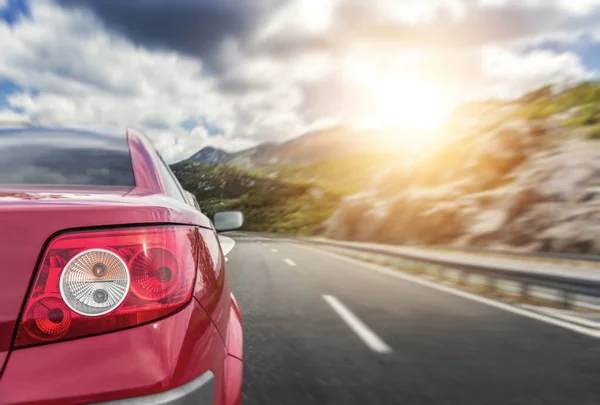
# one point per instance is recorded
(100, 281)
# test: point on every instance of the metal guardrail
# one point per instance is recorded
(567, 279)
(580, 257)
(534, 255)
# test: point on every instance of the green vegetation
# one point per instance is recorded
(345, 175)
(580, 104)
(594, 132)
(586, 115)
(269, 204)
(541, 103)
(298, 198)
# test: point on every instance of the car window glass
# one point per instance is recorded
(65, 157)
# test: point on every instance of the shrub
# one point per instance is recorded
(594, 133)
(269, 205)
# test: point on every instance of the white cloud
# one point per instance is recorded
(184, 143)
(89, 78)
(301, 17)
(11, 117)
(579, 6)
(572, 6)
(75, 73)
(416, 11)
(523, 3)
(512, 73)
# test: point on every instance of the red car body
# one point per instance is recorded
(193, 354)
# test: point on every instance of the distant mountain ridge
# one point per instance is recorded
(502, 175)
(312, 147)
(210, 155)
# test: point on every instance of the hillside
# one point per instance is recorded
(345, 175)
(313, 147)
(269, 204)
(210, 155)
(522, 175)
(516, 174)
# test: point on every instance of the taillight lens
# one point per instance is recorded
(94, 282)
(100, 281)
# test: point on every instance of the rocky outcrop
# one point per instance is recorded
(553, 204)
(505, 186)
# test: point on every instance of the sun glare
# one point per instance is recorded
(417, 106)
(415, 110)
(398, 98)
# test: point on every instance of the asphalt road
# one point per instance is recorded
(438, 348)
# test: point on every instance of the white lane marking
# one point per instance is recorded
(227, 244)
(265, 245)
(274, 250)
(558, 314)
(226, 259)
(291, 263)
(367, 335)
(464, 294)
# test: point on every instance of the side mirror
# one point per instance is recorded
(228, 220)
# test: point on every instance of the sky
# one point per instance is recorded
(234, 73)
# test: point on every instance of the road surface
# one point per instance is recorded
(321, 329)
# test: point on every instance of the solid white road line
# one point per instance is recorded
(226, 259)
(274, 250)
(560, 315)
(464, 294)
(291, 263)
(367, 335)
(227, 244)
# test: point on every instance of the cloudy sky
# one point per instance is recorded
(232, 73)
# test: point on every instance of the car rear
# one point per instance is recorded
(113, 286)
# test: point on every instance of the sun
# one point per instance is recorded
(411, 105)
(401, 99)
(412, 111)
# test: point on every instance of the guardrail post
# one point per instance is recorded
(440, 272)
(566, 299)
(464, 278)
(492, 284)
(524, 291)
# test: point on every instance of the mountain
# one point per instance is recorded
(269, 204)
(312, 147)
(526, 176)
(507, 175)
(210, 155)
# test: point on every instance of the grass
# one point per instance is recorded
(594, 132)
(585, 96)
(345, 175)
(269, 204)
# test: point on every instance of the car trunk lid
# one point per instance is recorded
(28, 221)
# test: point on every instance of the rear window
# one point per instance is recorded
(64, 157)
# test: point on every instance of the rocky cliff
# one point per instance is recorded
(515, 184)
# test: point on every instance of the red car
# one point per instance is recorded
(113, 286)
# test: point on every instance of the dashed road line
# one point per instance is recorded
(463, 294)
(373, 341)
